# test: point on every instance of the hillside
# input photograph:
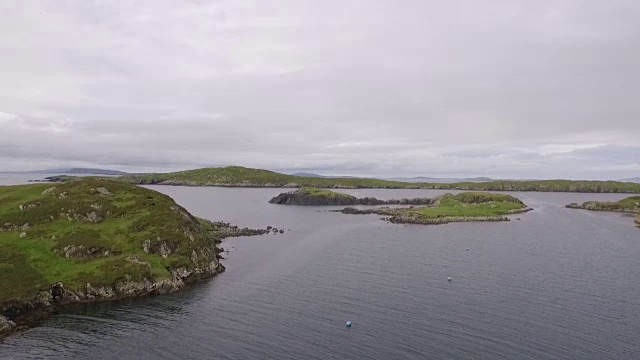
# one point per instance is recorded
(463, 207)
(95, 239)
(236, 176)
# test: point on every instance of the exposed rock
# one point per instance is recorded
(164, 250)
(103, 191)
(23, 235)
(48, 190)
(25, 227)
(62, 195)
(93, 217)
(146, 245)
(6, 325)
(81, 251)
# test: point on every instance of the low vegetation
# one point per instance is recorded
(240, 176)
(469, 206)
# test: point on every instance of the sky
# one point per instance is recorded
(506, 89)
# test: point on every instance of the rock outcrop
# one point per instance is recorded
(323, 197)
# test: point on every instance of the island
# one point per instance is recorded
(92, 239)
(237, 176)
(628, 205)
(463, 207)
(321, 197)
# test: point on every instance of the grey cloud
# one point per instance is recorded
(495, 88)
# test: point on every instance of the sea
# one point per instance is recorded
(554, 283)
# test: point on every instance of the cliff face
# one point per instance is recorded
(94, 240)
(322, 197)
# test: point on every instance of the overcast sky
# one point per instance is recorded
(509, 89)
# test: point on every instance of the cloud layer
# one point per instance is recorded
(542, 89)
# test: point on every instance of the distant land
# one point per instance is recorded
(404, 179)
(304, 174)
(632, 180)
(89, 171)
(238, 176)
(441, 180)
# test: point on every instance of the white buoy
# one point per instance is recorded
(348, 323)
(448, 279)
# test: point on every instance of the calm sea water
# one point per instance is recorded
(558, 284)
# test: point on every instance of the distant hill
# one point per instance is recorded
(89, 171)
(422, 179)
(303, 174)
(237, 176)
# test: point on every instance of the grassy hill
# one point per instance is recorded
(95, 239)
(246, 177)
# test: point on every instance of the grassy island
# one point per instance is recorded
(627, 205)
(92, 240)
(468, 206)
(237, 176)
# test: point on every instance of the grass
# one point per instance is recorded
(57, 217)
(472, 204)
(241, 176)
(315, 192)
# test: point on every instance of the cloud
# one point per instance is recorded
(496, 88)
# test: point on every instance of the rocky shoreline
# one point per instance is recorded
(24, 315)
(49, 300)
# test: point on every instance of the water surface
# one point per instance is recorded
(557, 284)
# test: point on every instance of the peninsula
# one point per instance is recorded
(236, 176)
(628, 205)
(467, 206)
(93, 239)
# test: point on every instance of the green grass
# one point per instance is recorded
(57, 218)
(241, 176)
(316, 192)
(630, 204)
(472, 204)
